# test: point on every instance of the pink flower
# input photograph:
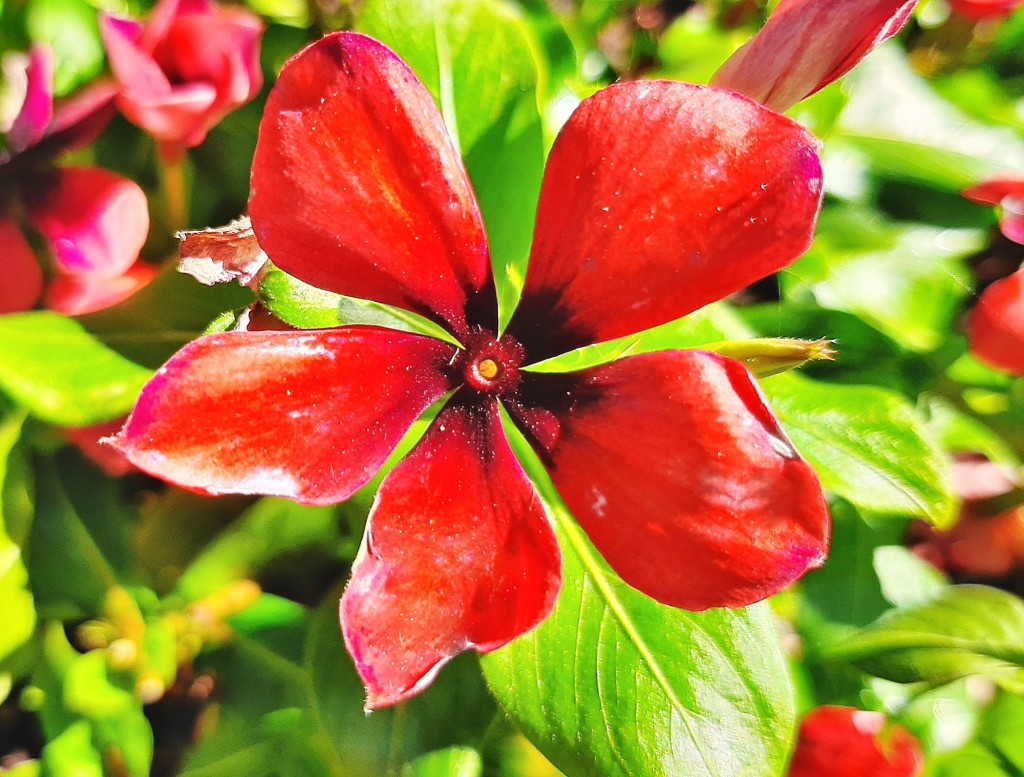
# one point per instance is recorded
(979, 10)
(95, 222)
(1007, 194)
(187, 68)
(846, 742)
(996, 325)
(806, 45)
(672, 462)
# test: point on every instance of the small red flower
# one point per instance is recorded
(979, 10)
(1007, 194)
(187, 68)
(846, 742)
(95, 222)
(996, 325)
(672, 462)
(808, 44)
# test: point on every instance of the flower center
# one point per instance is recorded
(489, 365)
(488, 369)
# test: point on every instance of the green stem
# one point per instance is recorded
(175, 189)
(397, 749)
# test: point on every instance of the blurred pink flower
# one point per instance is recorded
(95, 222)
(806, 45)
(185, 69)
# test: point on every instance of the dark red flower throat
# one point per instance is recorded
(490, 365)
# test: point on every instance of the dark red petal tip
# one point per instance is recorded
(306, 415)
(678, 471)
(630, 234)
(357, 188)
(458, 554)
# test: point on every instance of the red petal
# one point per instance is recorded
(36, 111)
(845, 742)
(22, 277)
(978, 10)
(634, 233)
(96, 221)
(458, 554)
(680, 474)
(306, 415)
(357, 189)
(1007, 193)
(808, 44)
(76, 295)
(996, 325)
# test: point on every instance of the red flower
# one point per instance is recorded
(95, 222)
(996, 325)
(846, 742)
(671, 461)
(808, 44)
(979, 10)
(1008, 195)
(186, 69)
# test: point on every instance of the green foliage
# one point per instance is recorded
(668, 684)
(963, 630)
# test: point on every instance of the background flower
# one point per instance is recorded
(185, 69)
(93, 221)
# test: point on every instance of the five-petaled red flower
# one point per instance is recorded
(658, 198)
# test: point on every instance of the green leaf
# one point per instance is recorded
(453, 762)
(271, 528)
(867, 445)
(89, 715)
(906, 580)
(846, 589)
(307, 307)
(69, 27)
(61, 373)
(964, 630)
(78, 546)
(909, 131)
(925, 280)
(292, 703)
(614, 683)
(16, 603)
(479, 61)
(163, 316)
(961, 433)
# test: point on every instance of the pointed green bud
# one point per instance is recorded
(770, 356)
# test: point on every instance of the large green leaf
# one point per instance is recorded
(614, 683)
(868, 445)
(963, 630)
(62, 374)
(478, 59)
(925, 280)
